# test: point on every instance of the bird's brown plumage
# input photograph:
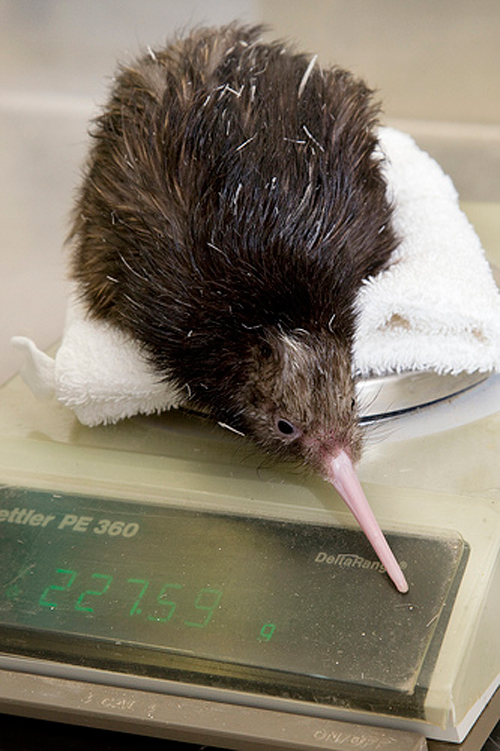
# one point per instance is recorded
(232, 206)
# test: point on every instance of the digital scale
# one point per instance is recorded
(162, 577)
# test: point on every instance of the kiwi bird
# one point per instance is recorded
(232, 205)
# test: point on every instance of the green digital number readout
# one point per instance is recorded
(167, 606)
(266, 632)
(81, 602)
(135, 595)
(66, 580)
(72, 591)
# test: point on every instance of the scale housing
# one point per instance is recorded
(432, 477)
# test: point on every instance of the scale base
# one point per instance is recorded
(196, 721)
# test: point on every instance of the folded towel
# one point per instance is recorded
(98, 371)
(436, 308)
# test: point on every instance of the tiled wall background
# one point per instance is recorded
(436, 64)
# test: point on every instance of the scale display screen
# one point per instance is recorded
(297, 609)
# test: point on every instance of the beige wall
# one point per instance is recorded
(431, 59)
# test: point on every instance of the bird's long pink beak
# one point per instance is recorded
(343, 477)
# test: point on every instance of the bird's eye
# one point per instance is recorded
(286, 428)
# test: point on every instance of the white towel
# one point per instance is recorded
(436, 308)
(98, 371)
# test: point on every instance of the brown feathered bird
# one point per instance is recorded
(232, 206)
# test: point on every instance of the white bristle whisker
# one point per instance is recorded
(230, 427)
(307, 75)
